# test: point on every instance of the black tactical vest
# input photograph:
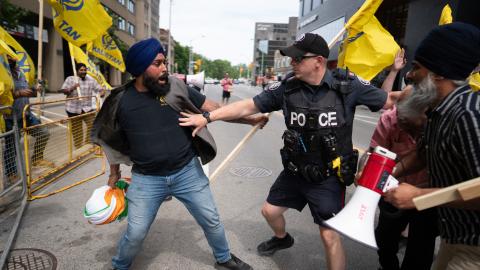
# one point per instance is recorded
(317, 119)
(317, 131)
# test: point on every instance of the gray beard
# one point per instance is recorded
(424, 93)
(423, 96)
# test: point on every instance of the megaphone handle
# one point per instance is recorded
(391, 183)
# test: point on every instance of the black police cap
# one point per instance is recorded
(307, 43)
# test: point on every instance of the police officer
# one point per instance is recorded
(318, 157)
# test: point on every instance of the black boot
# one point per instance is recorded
(234, 264)
(269, 247)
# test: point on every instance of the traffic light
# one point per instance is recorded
(197, 65)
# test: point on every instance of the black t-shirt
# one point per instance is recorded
(158, 144)
(363, 93)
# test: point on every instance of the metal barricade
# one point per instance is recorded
(12, 182)
(56, 146)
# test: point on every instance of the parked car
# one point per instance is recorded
(209, 81)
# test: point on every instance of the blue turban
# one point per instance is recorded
(450, 50)
(141, 55)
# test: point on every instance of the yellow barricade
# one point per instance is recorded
(57, 145)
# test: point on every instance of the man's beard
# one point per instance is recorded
(425, 93)
(151, 83)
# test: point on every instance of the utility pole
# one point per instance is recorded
(169, 53)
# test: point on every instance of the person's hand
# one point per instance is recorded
(400, 61)
(402, 196)
(74, 87)
(258, 119)
(38, 87)
(113, 179)
(193, 120)
(24, 93)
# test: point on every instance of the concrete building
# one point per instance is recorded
(281, 66)
(407, 20)
(164, 33)
(136, 20)
(276, 36)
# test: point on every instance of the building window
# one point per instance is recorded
(316, 3)
(131, 6)
(121, 23)
(121, 2)
(300, 12)
(307, 6)
(131, 29)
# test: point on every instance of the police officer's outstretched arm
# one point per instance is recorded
(239, 109)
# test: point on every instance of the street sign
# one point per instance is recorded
(263, 46)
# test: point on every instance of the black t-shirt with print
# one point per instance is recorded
(158, 144)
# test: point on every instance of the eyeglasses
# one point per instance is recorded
(299, 59)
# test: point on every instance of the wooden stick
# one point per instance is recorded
(40, 53)
(470, 190)
(74, 68)
(235, 151)
(255, 128)
(334, 39)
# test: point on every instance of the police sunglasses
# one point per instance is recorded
(299, 59)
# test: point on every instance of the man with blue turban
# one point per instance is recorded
(138, 124)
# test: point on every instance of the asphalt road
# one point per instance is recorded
(175, 241)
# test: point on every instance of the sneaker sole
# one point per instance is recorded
(271, 252)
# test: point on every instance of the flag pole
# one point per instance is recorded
(40, 53)
(74, 68)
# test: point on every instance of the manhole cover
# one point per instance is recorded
(250, 172)
(31, 259)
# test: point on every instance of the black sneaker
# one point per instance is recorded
(269, 247)
(234, 263)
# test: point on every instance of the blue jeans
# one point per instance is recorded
(145, 195)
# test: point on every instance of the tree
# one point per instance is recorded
(181, 58)
(12, 14)
(213, 68)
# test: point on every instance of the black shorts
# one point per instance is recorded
(324, 199)
(226, 94)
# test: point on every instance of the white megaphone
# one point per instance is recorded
(356, 220)
(197, 80)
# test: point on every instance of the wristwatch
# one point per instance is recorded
(207, 116)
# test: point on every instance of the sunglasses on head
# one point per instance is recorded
(299, 59)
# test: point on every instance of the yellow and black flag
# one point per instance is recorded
(80, 21)
(105, 48)
(24, 62)
(368, 48)
(81, 57)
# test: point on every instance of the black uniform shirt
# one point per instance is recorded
(363, 93)
(158, 145)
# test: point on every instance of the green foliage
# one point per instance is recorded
(213, 68)
(181, 58)
(122, 46)
(11, 14)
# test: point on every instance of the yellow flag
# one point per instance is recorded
(81, 57)
(446, 16)
(474, 81)
(368, 48)
(104, 47)
(6, 87)
(363, 15)
(80, 21)
(4, 49)
(24, 62)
